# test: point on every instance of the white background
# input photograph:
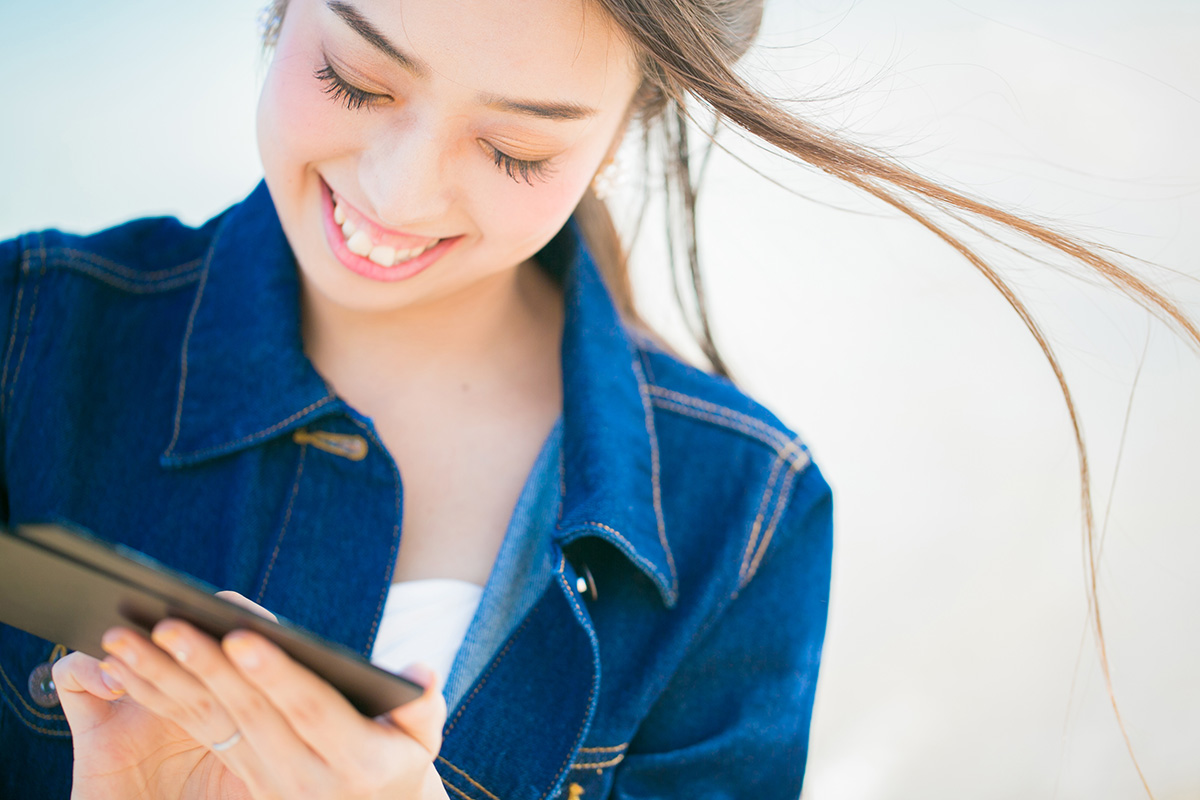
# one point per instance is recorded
(957, 662)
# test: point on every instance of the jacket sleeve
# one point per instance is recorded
(10, 263)
(734, 720)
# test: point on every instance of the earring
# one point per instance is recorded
(607, 179)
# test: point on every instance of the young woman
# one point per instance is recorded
(332, 397)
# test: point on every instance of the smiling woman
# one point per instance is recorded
(401, 395)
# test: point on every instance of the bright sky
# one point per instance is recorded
(957, 663)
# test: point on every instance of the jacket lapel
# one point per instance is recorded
(518, 730)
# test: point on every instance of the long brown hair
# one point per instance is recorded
(688, 50)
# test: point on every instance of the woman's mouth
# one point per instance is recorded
(372, 251)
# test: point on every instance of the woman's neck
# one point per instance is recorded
(503, 332)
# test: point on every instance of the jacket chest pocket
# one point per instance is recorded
(591, 774)
(26, 683)
(35, 740)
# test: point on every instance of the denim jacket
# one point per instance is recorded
(154, 390)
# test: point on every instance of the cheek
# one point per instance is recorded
(526, 217)
(297, 122)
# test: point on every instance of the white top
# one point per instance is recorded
(425, 620)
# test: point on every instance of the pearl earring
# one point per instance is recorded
(607, 179)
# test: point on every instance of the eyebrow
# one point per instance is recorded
(366, 30)
(544, 110)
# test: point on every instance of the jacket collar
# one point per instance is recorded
(245, 379)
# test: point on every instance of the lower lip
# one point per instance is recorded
(365, 266)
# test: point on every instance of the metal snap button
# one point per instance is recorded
(41, 686)
(585, 584)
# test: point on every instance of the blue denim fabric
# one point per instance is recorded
(524, 568)
(154, 389)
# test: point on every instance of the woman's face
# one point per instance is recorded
(415, 147)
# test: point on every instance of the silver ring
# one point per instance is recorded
(218, 747)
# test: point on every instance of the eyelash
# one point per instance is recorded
(354, 98)
(338, 88)
(519, 169)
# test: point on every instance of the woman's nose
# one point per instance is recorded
(404, 177)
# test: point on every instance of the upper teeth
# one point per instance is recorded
(359, 243)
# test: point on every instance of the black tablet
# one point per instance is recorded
(69, 587)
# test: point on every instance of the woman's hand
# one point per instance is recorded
(191, 718)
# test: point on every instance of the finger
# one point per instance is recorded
(157, 682)
(352, 745)
(270, 752)
(85, 691)
(423, 718)
(246, 603)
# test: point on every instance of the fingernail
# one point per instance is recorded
(242, 651)
(169, 639)
(110, 679)
(118, 644)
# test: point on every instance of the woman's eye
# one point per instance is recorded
(338, 88)
(519, 169)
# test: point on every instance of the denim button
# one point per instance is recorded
(41, 686)
(346, 445)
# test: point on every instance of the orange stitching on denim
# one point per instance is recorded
(648, 409)
(265, 431)
(768, 490)
(634, 554)
(679, 408)
(287, 518)
(474, 782)
(456, 789)
(462, 707)
(723, 411)
(598, 764)
(395, 541)
(569, 594)
(758, 519)
(40, 714)
(779, 506)
(187, 337)
(613, 749)
(120, 269)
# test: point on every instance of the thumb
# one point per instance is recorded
(246, 603)
(423, 718)
(85, 690)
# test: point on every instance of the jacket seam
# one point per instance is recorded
(656, 487)
(287, 518)
(614, 749)
(581, 615)
(632, 553)
(187, 338)
(471, 780)
(132, 287)
(28, 708)
(250, 437)
(14, 321)
(745, 572)
(119, 269)
(700, 404)
(28, 325)
(387, 581)
(780, 504)
(617, 759)
(777, 446)
(462, 707)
